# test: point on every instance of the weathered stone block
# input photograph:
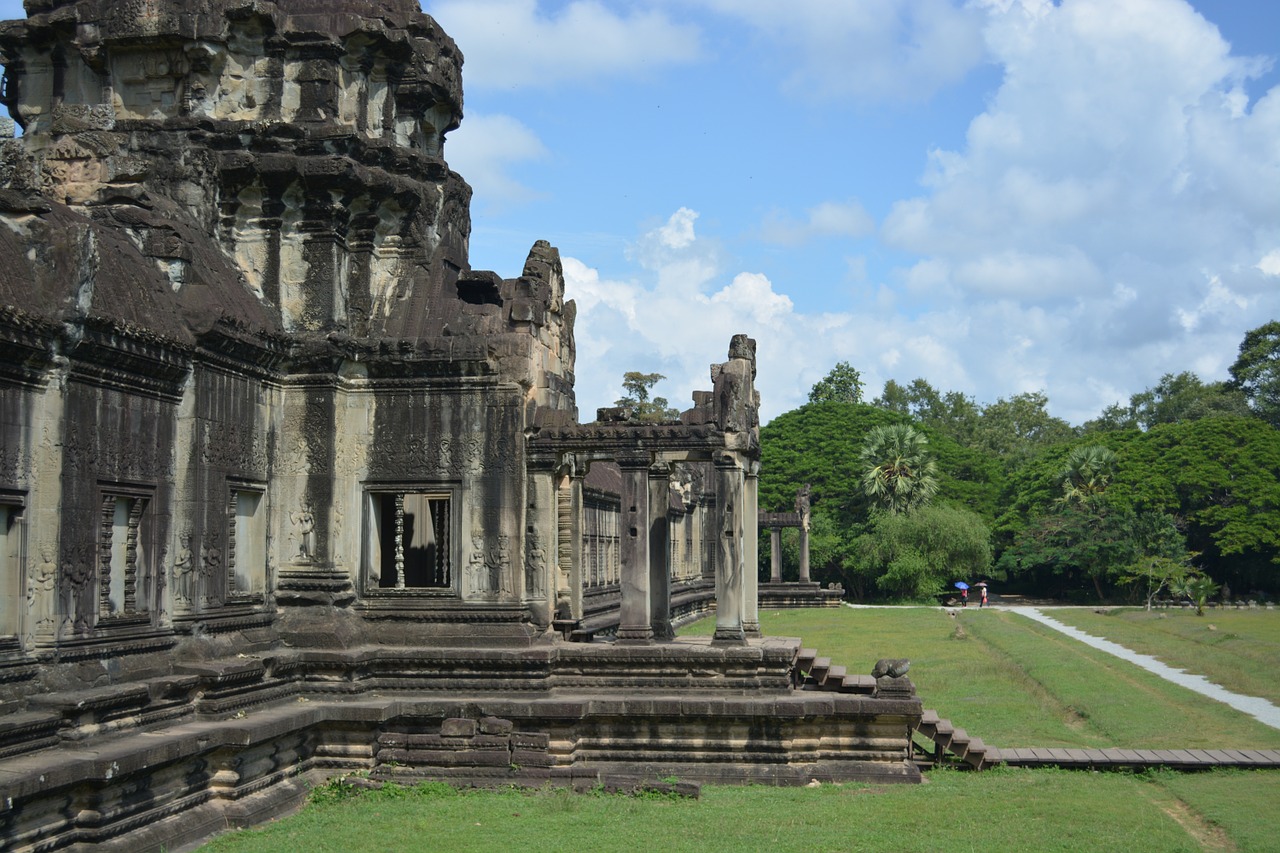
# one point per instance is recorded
(495, 726)
(530, 740)
(457, 727)
(531, 758)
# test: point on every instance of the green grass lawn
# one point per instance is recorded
(1014, 682)
(999, 810)
(1237, 649)
(1005, 678)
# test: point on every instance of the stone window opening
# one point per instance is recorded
(247, 551)
(411, 540)
(11, 593)
(121, 555)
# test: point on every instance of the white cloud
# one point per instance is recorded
(512, 44)
(678, 319)
(1270, 263)
(485, 148)
(871, 50)
(828, 219)
(1011, 273)
(1109, 217)
(1219, 300)
(1109, 207)
(678, 232)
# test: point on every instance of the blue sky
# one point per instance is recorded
(999, 196)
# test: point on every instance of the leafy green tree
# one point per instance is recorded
(1183, 397)
(1175, 398)
(950, 413)
(1256, 371)
(842, 385)
(1088, 541)
(894, 398)
(1012, 428)
(1218, 476)
(1019, 426)
(898, 472)
(1114, 418)
(916, 555)
(818, 443)
(1154, 574)
(1088, 472)
(1163, 562)
(1199, 588)
(638, 386)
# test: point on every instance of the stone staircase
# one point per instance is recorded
(814, 672)
(970, 751)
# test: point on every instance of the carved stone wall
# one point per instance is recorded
(239, 320)
(266, 436)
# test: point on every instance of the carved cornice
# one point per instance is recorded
(243, 352)
(607, 440)
(130, 359)
(27, 344)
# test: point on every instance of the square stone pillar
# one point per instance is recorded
(569, 522)
(750, 516)
(729, 568)
(660, 551)
(775, 555)
(804, 554)
(539, 546)
(635, 618)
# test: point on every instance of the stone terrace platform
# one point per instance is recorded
(234, 742)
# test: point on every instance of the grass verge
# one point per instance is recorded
(1000, 810)
(1239, 647)
(1014, 682)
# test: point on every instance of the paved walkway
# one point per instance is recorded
(1259, 709)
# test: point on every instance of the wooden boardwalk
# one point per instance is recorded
(972, 751)
(1104, 759)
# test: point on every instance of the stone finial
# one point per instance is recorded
(742, 346)
(891, 667)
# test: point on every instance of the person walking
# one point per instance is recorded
(983, 602)
(964, 597)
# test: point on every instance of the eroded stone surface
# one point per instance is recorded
(267, 438)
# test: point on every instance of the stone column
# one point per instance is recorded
(750, 516)
(539, 545)
(804, 553)
(635, 620)
(660, 551)
(775, 555)
(569, 569)
(729, 568)
(699, 555)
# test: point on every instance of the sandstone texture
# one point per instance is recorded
(288, 489)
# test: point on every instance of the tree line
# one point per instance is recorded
(1176, 492)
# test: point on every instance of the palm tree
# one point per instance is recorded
(1088, 472)
(898, 472)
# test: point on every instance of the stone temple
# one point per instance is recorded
(288, 489)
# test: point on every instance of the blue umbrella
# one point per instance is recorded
(961, 585)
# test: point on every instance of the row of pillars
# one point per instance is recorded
(775, 554)
(645, 614)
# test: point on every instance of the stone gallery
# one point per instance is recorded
(289, 490)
